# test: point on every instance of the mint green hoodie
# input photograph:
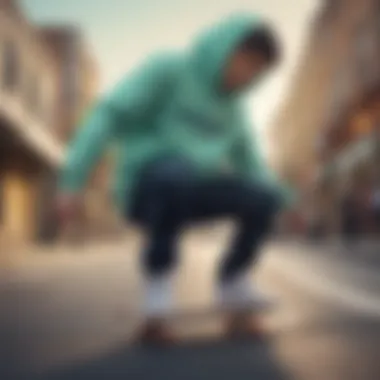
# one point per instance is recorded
(171, 105)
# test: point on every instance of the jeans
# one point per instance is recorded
(170, 197)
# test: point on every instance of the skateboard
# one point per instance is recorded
(196, 323)
(202, 313)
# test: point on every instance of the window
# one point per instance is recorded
(342, 90)
(367, 50)
(37, 104)
(11, 66)
(33, 96)
(71, 76)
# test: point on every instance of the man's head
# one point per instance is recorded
(258, 53)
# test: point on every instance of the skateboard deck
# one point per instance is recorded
(207, 324)
(211, 311)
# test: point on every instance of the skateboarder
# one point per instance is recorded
(184, 153)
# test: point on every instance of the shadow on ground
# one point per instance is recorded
(206, 360)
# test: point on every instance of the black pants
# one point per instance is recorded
(170, 196)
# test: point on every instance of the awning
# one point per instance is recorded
(354, 154)
(36, 135)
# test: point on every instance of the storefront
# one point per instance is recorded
(25, 201)
(351, 169)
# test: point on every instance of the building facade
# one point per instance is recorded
(78, 89)
(29, 148)
(331, 113)
(78, 76)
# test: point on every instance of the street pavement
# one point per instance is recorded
(71, 315)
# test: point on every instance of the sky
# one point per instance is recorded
(122, 32)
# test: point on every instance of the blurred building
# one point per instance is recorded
(29, 149)
(328, 126)
(48, 81)
(78, 89)
(78, 76)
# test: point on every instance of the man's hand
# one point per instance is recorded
(292, 221)
(69, 208)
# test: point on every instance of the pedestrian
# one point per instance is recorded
(185, 154)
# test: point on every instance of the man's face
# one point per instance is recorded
(243, 68)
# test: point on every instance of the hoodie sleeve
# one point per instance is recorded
(134, 97)
(248, 160)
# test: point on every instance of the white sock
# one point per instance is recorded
(241, 291)
(158, 297)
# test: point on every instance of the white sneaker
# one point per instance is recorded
(158, 298)
(241, 293)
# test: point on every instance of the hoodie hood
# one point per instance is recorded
(214, 46)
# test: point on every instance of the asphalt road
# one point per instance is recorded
(70, 316)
